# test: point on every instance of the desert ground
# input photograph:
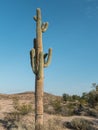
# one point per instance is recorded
(11, 119)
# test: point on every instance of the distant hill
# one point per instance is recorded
(29, 95)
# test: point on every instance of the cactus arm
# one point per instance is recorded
(46, 63)
(35, 18)
(44, 26)
(32, 57)
(40, 69)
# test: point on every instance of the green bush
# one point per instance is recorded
(92, 98)
(66, 97)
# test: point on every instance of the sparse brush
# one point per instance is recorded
(80, 124)
(25, 109)
(53, 124)
(15, 103)
(22, 109)
(57, 106)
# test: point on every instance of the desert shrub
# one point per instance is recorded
(15, 121)
(15, 103)
(10, 123)
(66, 111)
(57, 106)
(80, 110)
(75, 97)
(92, 98)
(92, 112)
(66, 97)
(83, 101)
(10, 120)
(23, 109)
(12, 116)
(80, 124)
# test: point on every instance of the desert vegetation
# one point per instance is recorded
(17, 111)
(68, 105)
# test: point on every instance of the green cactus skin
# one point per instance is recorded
(32, 57)
(46, 63)
(39, 61)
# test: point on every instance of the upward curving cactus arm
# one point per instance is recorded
(44, 26)
(38, 14)
(48, 60)
(35, 18)
(32, 57)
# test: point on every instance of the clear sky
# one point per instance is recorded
(72, 33)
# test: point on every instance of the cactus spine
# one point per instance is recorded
(39, 60)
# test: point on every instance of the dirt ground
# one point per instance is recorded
(6, 106)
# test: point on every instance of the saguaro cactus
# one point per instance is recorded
(39, 60)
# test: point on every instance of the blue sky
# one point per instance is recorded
(72, 33)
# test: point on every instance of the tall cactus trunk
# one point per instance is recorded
(38, 81)
(38, 62)
(39, 104)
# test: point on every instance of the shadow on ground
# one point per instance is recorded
(8, 125)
